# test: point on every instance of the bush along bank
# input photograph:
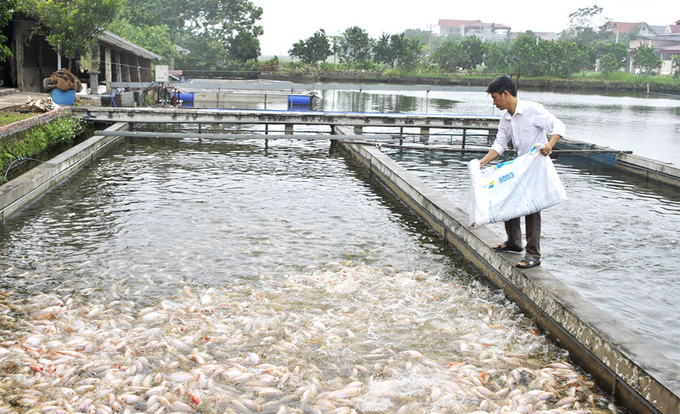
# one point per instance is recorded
(590, 84)
(29, 139)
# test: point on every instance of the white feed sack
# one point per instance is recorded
(514, 188)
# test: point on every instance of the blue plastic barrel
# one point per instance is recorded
(186, 97)
(299, 100)
(63, 98)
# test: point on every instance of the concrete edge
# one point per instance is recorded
(640, 377)
(26, 188)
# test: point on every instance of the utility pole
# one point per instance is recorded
(429, 45)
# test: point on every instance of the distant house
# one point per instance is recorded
(34, 60)
(626, 28)
(666, 45)
(672, 28)
(464, 28)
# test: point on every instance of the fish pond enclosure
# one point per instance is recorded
(226, 277)
(195, 267)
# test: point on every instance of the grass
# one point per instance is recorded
(7, 118)
(625, 77)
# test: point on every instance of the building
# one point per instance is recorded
(34, 59)
(626, 28)
(666, 44)
(464, 28)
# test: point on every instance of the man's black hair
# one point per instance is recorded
(502, 83)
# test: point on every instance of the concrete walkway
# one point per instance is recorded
(11, 97)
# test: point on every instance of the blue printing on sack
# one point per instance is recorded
(498, 166)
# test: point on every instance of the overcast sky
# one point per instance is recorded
(287, 21)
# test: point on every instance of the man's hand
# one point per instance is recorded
(546, 149)
(550, 145)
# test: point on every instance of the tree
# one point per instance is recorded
(676, 66)
(215, 31)
(407, 51)
(530, 55)
(6, 8)
(496, 57)
(647, 59)
(383, 52)
(472, 48)
(398, 49)
(572, 56)
(613, 56)
(315, 49)
(448, 56)
(71, 26)
(355, 46)
(588, 24)
(153, 38)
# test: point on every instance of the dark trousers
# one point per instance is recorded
(533, 229)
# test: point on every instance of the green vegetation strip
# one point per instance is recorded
(34, 141)
(7, 118)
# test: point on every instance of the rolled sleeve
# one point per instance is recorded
(500, 149)
(503, 136)
(558, 127)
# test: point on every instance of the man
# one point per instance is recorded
(525, 124)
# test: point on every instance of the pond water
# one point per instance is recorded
(648, 125)
(229, 277)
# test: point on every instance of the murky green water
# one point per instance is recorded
(223, 277)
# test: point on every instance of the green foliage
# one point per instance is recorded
(317, 48)
(447, 56)
(613, 56)
(71, 26)
(497, 57)
(7, 118)
(647, 59)
(676, 67)
(456, 53)
(383, 52)
(41, 138)
(398, 49)
(272, 65)
(6, 7)
(154, 38)
(472, 48)
(355, 47)
(571, 56)
(409, 51)
(215, 31)
(429, 41)
(530, 55)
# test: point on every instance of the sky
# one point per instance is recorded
(288, 21)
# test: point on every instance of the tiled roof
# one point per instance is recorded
(625, 27)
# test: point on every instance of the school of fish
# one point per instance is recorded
(342, 338)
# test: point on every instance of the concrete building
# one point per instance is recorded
(464, 28)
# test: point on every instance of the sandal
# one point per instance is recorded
(528, 262)
(506, 247)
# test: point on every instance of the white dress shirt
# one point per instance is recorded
(528, 126)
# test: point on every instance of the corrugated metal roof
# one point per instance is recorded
(119, 42)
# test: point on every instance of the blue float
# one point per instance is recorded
(186, 97)
(298, 100)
